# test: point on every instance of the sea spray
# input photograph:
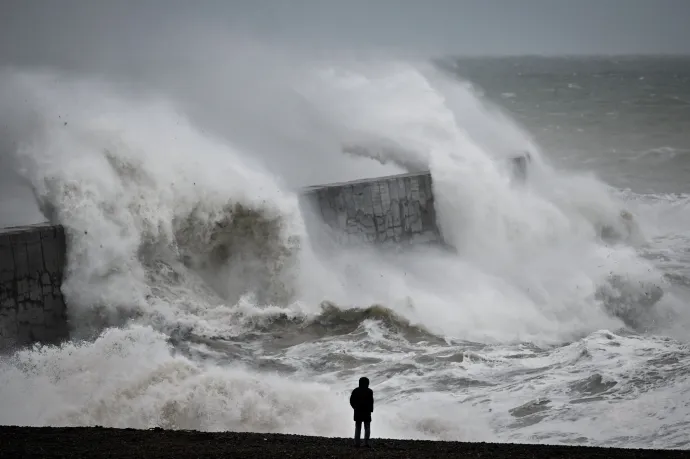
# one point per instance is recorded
(136, 185)
(186, 337)
(548, 242)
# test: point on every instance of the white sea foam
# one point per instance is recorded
(158, 247)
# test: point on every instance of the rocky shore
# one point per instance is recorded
(97, 442)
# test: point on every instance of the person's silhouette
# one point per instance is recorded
(362, 402)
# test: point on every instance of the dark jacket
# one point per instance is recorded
(362, 401)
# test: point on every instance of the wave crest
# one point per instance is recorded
(155, 210)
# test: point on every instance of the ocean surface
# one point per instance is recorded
(199, 300)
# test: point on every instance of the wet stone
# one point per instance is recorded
(31, 304)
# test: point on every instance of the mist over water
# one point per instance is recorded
(199, 300)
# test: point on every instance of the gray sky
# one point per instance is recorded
(33, 28)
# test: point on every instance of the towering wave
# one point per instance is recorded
(178, 236)
(150, 204)
(548, 246)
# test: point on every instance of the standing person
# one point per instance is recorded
(362, 402)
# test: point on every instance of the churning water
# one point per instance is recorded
(199, 301)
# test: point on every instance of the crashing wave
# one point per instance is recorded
(631, 301)
(243, 251)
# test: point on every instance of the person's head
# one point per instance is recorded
(363, 381)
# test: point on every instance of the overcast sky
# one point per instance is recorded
(33, 28)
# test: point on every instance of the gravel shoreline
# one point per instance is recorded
(98, 442)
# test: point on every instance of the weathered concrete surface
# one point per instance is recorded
(395, 209)
(32, 307)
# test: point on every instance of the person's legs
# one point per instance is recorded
(367, 425)
(358, 430)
